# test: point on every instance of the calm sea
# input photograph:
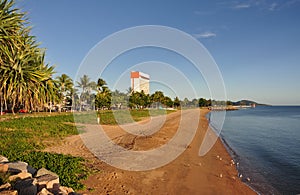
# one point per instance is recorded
(266, 142)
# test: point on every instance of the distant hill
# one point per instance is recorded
(248, 102)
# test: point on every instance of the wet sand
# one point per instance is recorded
(190, 173)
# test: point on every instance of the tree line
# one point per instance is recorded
(97, 95)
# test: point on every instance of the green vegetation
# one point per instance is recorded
(115, 117)
(25, 77)
(24, 138)
(70, 169)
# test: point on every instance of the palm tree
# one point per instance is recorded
(22, 67)
(103, 98)
(10, 25)
(101, 84)
(86, 86)
(157, 97)
(65, 85)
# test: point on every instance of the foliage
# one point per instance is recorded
(23, 138)
(103, 97)
(176, 102)
(139, 100)
(70, 169)
(4, 178)
(158, 96)
(204, 103)
(25, 78)
(86, 97)
(65, 89)
(168, 102)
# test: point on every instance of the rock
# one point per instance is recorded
(31, 170)
(48, 181)
(44, 171)
(65, 190)
(9, 192)
(3, 168)
(73, 193)
(22, 175)
(17, 167)
(44, 191)
(26, 187)
(5, 186)
(3, 159)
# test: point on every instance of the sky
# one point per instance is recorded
(255, 43)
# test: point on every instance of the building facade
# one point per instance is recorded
(140, 82)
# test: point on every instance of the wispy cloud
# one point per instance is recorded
(291, 3)
(242, 6)
(262, 4)
(273, 6)
(205, 35)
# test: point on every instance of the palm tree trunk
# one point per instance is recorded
(13, 105)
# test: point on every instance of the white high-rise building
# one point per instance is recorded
(140, 82)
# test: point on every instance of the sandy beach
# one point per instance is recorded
(188, 174)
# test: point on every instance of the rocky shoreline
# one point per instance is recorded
(19, 178)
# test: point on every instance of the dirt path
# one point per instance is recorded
(187, 174)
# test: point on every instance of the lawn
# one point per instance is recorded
(23, 137)
(114, 117)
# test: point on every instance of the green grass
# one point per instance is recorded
(23, 138)
(110, 117)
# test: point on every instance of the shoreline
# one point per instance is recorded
(259, 189)
(187, 174)
(242, 169)
(234, 156)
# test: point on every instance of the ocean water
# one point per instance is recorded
(265, 141)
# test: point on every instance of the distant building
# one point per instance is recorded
(139, 82)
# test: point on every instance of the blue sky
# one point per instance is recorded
(255, 43)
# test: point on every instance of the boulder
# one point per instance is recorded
(17, 167)
(22, 175)
(44, 191)
(3, 159)
(9, 192)
(44, 171)
(3, 168)
(26, 186)
(31, 170)
(65, 190)
(48, 181)
(74, 193)
(5, 186)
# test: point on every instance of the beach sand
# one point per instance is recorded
(188, 174)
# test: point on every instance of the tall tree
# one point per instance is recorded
(103, 97)
(157, 98)
(65, 85)
(86, 86)
(22, 67)
(176, 102)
